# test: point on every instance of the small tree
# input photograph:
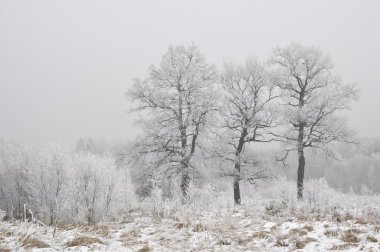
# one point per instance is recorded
(177, 100)
(246, 115)
(312, 99)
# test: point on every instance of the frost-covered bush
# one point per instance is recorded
(59, 185)
(275, 207)
(318, 194)
(14, 169)
(98, 188)
(48, 182)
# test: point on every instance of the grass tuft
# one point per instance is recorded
(83, 241)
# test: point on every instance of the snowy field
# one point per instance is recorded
(260, 226)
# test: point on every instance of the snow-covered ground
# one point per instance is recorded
(234, 229)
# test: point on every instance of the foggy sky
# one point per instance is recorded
(65, 65)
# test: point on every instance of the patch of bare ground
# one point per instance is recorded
(5, 250)
(31, 242)
(83, 241)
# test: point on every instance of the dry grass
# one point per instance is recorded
(126, 220)
(362, 220)
(300, 244)
(260, 235)
(198, 228)
(274, 227)
(133, 233)
(5, 250)
(371, 239)
(66, 227)
(331, 233)
(224, 241)
(144, 249)
(297, 231)
(349, 236)
(303, 216)
(83, 241)
(30, 242)
(180, 225)
(343, 246)
(308, 228)
(349, 216)
(101, 229)
(281, 242)
(339, 218)
(354, 231)
(243, 242)
(7, 234)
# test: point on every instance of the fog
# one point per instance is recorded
(189, 125)
(65, 65)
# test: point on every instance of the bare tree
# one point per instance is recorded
(246, 115)
(177, 100)
(312, 100)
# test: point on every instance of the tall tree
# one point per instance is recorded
(313, 101)
(177, 100)
(246, 117)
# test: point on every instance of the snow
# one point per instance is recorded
(225, 231)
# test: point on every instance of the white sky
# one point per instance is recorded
(65, 65)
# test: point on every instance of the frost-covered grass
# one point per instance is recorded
(339, 222)
(235, 229)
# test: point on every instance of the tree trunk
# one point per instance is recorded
(237, 191)
(300, 174)
(185, 180)
(239, 150)
(300, 148)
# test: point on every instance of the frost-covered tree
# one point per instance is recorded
(177, 101)
(313, 98)
(246, 115)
